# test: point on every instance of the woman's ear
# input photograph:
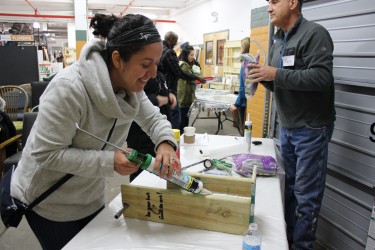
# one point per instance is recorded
(116, 59)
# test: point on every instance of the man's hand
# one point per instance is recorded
(162, 100)
(173, 100)
(259, 72)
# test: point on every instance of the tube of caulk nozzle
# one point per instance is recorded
(248, 131)
(184, 180)
(147, 162)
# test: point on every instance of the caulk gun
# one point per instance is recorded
(147, 162)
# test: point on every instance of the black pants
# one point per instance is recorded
(53, 234)
(184, 119)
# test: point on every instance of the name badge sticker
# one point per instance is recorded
(288, 61)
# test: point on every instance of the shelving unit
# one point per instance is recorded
(232, 50)
(232, 65)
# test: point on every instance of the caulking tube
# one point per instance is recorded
(147, 162)
(185, 181)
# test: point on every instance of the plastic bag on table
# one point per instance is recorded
(244, 164)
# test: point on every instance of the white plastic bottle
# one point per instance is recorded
(248, 131)
(252, 239)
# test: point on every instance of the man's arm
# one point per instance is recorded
(175, 69)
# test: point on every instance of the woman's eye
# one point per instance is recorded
(145, 66)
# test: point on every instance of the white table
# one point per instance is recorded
(105, 232)
(216, 100)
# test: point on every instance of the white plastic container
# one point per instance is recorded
(248, 133)
(252, 239)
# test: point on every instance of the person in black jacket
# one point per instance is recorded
(156, 90)
(169, 66)
(7, 131)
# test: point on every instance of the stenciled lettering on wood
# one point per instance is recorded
(151, 208)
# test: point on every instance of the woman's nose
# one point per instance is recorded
(153, 71)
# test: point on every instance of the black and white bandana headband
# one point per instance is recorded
(143, 35)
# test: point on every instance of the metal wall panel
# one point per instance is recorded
(344, 213)
(351, 159)
(346, 209)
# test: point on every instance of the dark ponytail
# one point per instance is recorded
(102, 24)
(127, 34)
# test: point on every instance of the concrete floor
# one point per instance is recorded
(23, 238)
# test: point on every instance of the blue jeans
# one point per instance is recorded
(304, 152)
(176, 117)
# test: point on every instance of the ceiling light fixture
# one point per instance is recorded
(150, 15)
(36, 25)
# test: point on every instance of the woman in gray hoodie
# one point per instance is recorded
(103, 93)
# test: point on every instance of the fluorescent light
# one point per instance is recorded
(149, 15)
(36, 25)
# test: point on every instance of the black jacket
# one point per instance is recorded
(304, 91)
(169, 66)
(137, 138)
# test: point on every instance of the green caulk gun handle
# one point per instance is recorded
(145, 162)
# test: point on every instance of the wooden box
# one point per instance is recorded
(226, 210)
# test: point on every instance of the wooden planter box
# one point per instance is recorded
(226, 210)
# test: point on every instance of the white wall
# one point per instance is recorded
(193, 22)
(71, 35)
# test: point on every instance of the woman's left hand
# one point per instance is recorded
(166, 156)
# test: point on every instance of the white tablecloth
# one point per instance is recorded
(106, 232)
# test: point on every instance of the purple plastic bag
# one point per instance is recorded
(244, 164)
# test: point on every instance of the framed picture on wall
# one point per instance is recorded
(220, 52)
(209, 52)
(197, 53)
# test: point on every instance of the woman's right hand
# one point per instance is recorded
(122, 165)
(202, 80)
(233, 108)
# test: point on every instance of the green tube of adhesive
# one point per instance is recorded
(147, 162)
(185, 181)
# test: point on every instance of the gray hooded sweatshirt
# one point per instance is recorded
(83, 94)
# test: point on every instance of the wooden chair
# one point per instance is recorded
(17, 103)
(3, 146)
(9, 139)
(27, 88)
